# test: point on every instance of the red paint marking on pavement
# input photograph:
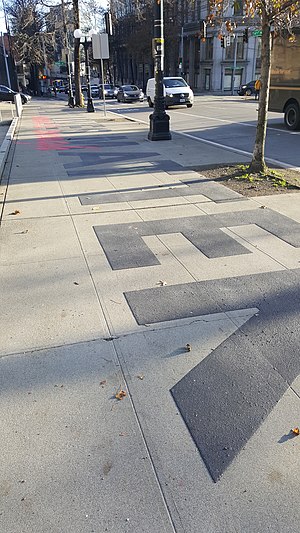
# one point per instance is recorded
(47, 140)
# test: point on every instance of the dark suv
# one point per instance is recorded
(7, 95)
(248, 89)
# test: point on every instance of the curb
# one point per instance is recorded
(5, 146)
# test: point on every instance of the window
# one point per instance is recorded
(207, 75)
(238, 8)
(198, 9)
(209, 49)
(228, 74)
(174, 82)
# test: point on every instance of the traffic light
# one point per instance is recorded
(223, 44)
(108, 23)
(245, 35)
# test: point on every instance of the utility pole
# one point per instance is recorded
(5, 60)
(234, 64)
(71, 102)
(181, 53)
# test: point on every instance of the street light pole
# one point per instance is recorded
(90, 106)
(84, 39)
(159, 120)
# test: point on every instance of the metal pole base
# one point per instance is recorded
(159, 127)
(71, 101)
(90, 106)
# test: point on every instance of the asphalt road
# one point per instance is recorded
(228, 121)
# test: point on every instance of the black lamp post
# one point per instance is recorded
(159, 120)
(84, 39)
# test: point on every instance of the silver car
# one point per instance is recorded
(130, 93)
(109, 90)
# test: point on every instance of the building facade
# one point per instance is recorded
(201, 59)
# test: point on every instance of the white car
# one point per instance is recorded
(176, 92)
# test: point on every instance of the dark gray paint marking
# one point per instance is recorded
(162, 192)
(92, 159)
(102, 144)
(226, 397)
(117, 255)
(147, 166)
(203, 232)
(214, 191)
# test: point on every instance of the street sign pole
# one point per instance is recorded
(101, 51)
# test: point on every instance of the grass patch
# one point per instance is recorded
(238, 178)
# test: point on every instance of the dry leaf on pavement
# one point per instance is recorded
(162, 283)
(16, 212)
(121, 394)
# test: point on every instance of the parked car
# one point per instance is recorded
(95, 91)
(7, 95)
(247, 89)
(130, 93)
(109, 91)
(176, 92)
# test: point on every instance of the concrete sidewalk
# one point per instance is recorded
(113, 258)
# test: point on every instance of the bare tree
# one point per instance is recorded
(30, 40)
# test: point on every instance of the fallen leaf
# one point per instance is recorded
(296, 431)
(162, 283)
(16, 212)
(141, 376)
(262, 207)
(103, 382)
(121, 394)
(188, 347)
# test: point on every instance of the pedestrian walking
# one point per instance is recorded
(257, 87)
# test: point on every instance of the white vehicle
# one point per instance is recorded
(176, 92)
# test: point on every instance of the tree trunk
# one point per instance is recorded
(78, 93)
(258, 159)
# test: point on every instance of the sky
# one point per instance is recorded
(2, 21)
(102, 3)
